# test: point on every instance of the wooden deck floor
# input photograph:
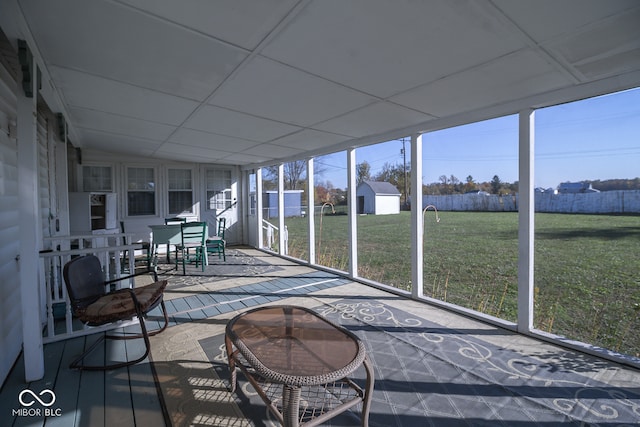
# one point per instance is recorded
(121, 397)
(130, 396)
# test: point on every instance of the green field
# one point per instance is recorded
(587, 267)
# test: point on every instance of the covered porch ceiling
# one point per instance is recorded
(255, 82)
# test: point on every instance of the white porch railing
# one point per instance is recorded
(59, 250)
(271, 236)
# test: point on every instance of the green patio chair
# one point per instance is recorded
(216, 244)
(193, 247)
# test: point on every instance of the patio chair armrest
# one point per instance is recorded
(129, 276)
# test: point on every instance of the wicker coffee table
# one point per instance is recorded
(298, 362)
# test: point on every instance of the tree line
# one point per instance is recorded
(399, 175)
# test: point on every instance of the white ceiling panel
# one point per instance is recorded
(311, 139)
(520, 74)
(119, 143)
(547, 19)
(194, 138)
(133, 47)
(190, 153)
(617, 37)
(615, 63)
(274, 151)
(384, 47)
(240, 22)
(245, 159)
(271, 90)
(91, 92)
(376, 118)
(123, 125)
(226, 122)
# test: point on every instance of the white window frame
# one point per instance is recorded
(99, 189)
(218, 190)
(190, 190)
(252, 192)
(154, 191)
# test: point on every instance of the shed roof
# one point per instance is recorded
(380, 187)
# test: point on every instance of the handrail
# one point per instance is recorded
(271, 235)
(264, 221)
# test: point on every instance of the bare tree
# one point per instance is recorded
(294, 174)
(363, 172)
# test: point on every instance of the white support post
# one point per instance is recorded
(281, 234)
(351, 203)
(258, 224)
(526, 213)
(417, 220)
(29, 224)
(311, 212)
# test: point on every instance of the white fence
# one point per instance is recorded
(606, 202)
(108, 248)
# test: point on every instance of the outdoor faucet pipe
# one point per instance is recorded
(333, 211)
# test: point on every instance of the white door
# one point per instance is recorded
(220, 196)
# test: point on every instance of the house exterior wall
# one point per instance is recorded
(139, 225)
(29, 211)
(10, 313)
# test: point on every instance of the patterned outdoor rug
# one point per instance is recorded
(427, 375)
(237, 264)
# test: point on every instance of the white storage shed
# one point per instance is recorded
(378, 198)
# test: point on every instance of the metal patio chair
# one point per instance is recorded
(94, 305)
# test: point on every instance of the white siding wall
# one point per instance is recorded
(139, 226)
(387, 204)
(10, 315)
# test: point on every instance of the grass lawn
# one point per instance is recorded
(587, 268)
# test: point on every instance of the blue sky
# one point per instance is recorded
(597, 138)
